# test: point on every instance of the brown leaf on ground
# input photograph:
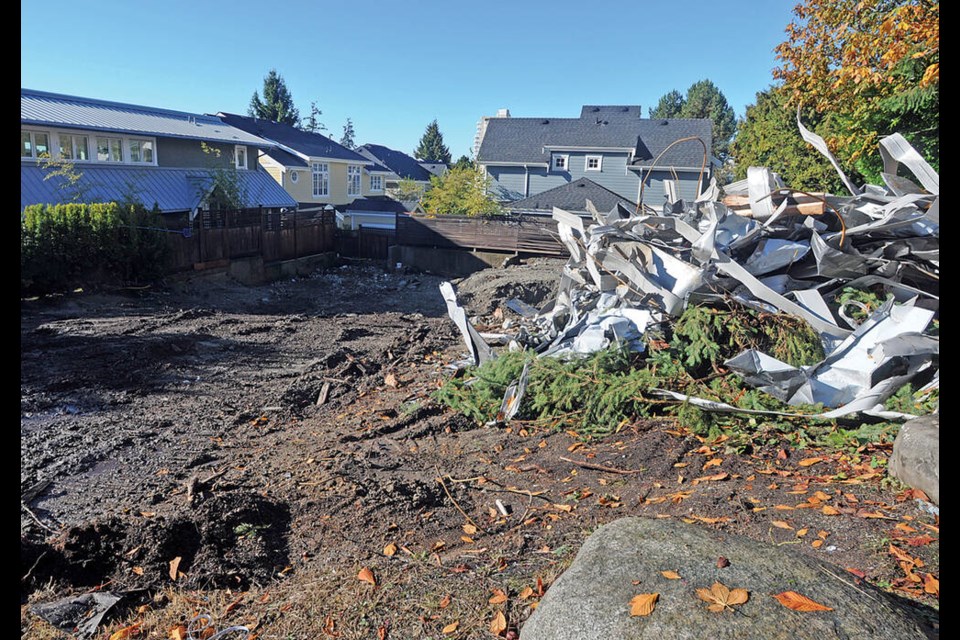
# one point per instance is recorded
(175, 567)
(903, 556)
(498, 597)
(931, 584)
(179, 632)
(391, 380)
(445, 602)
(919, 541)
(452, 627)
(126, 632)
(798, 602)
(469, 529)
(390, 550)
(830, 511)
(719, 597)
(330, 627)
(722, 563)
(525, 593)
(366, 575)
(712, 462)
(780, 524)
(670, 575)
(809, 462)
(643, 604)
(498, 624)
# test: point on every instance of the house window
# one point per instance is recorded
(321, 179)
(141, 151)
(109, 149)
(34, 144)
(594, 163)
(294, 176)
(240, 157)
(353, 180)
(73, 147)
(376, 183)
(560, 162)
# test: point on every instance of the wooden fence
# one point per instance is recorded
(515, 234)
(215, 236)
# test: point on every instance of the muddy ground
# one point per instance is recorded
(280, 439)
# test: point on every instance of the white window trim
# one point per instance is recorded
(33, 143)
(294, 176)
(53, 142)
(236, 156)
(374, 189)
(354, 171)
(566, 162)
(315, 170)
(586, 163)
(96, 148)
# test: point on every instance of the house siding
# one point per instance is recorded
(507, 183)
(177, 152)
(653, 192)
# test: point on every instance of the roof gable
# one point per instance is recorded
(397, 161)
(41, 108)
(572, 196)
(310, 144)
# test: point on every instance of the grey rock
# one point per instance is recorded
(591, 598)
(916, 456)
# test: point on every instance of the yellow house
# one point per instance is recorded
(312, 168)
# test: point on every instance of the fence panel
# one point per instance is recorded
(523, 234)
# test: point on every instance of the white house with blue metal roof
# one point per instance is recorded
(124, 152)
(611, 146)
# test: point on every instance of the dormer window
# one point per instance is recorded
(593, 163)
(560, 162)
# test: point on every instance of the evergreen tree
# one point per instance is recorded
(670, 105)
(431, 147)
(277, 103)
(348, 133)
(703, 100)
(312, 123)
(463, 162)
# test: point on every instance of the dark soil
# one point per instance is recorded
(182, 422)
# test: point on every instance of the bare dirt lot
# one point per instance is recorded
(251, 451)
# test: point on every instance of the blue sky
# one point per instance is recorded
(393, 67)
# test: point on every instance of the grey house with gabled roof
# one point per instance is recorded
(123, 152)
(610, 145)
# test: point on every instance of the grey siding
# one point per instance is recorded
(507, 183)
(177, 152)
(653, 193)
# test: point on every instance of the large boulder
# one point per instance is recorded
(916, 456)
(591, 599)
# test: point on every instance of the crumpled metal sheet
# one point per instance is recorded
(628, 271)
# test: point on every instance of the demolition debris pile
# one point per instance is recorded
(824, 303)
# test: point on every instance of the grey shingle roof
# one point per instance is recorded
(607, 111)
(42, 108)
(525, 139)
(285, 158)
(397, 161)
(572, 197)
(311, 144)
(171, 189)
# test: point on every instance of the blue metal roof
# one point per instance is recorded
(41, 108)
(171, 189)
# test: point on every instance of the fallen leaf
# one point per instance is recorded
(712, 462)
(722, 563)
(174, 567)
(798, 602)
(499, 597)
(540, 588)
(391, 380)
(137, 570)
(720, 597)
(179, 632)
(670, 575)
(330, 627)
(919, 541)
(366, 575)
(390, 550)
(469, 529)
(931, 584)
(802, 532)
(643, 604)
(450, 628)
(809, 462)
(780, 524)
(816, 544)
(381, 633)
(499, 623)
(525, 593)
(903, 556)
(830, 511)
(439, 544)
(445, 602)
(126, 632)
(714, 478)
(467, 539)
(563, 507)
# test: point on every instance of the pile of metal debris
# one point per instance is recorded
(773, 249)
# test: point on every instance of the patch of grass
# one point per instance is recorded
(918, 403)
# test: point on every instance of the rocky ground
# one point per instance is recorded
(252, 451)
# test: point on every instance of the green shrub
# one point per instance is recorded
(65, 245)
